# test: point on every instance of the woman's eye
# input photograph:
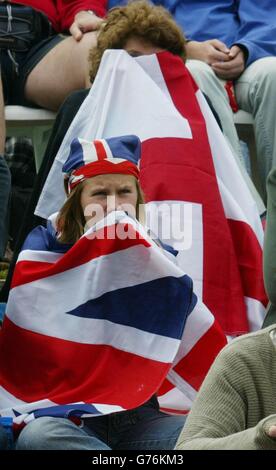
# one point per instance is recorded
(134, 53)
(125, 190)
(99, 193)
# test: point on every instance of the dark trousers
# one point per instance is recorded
(5, 188)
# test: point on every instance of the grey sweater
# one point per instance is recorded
(237, 400)
(270, 248)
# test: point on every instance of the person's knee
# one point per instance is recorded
(205, 78)
(88, 41)
(64, 69)
(266, 73)
(35, 434)
(83, 47)
(198, 68)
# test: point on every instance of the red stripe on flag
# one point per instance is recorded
(101, 153)
(166, 387)
(195, 365)
(82, 252)
(90, 373)
(250, 260)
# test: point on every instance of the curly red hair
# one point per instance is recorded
(141, 19)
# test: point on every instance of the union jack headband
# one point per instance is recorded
(98, 157)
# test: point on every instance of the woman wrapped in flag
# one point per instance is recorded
(94, 320)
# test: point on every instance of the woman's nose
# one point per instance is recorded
(112, 203)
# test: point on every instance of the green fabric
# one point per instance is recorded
(270, 317)
(270, 248)
(237, 400)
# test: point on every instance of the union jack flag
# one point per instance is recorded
(96, 327)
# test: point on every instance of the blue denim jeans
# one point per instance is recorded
(3, 439)
(5, 187)
(143, 428)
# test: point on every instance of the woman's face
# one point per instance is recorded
(136, 46)
(104, 193)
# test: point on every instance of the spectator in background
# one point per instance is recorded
(234, 40)
(47, 73)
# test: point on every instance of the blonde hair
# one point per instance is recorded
(141, 19)
(71, 221)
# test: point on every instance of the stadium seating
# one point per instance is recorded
(34, 123)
